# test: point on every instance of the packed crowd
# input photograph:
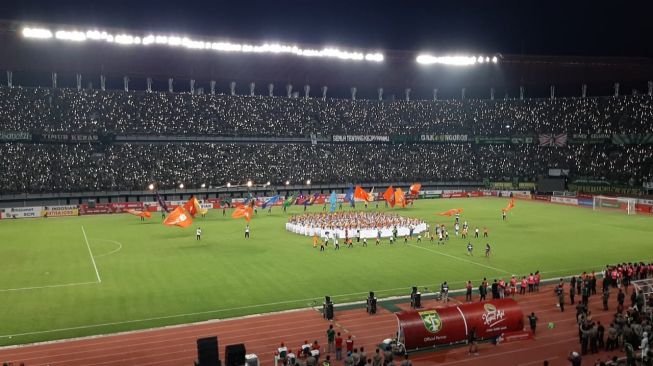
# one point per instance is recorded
(44, 109)
(36, 168)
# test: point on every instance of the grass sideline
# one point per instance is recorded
(152, 275)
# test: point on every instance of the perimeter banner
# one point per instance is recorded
(22, 212)
(57, 211)
(15, 136)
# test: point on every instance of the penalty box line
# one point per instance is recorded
(97, 273)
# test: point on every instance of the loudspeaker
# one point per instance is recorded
(328, 310)
(207, 352)
(234, 355)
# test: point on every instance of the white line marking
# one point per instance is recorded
(210, 312)
(111, 252)
(49, 286)
(99, 280)
(462, 260)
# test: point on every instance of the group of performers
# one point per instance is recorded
(361, 226)
(357, 227)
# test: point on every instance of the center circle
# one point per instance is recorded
(351, 224)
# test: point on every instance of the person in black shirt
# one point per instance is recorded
(471, 340)
(495, 289)
(532, 320)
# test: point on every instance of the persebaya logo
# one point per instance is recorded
(431, 320)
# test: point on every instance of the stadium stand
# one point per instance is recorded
(110, 164)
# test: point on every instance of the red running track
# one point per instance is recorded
(262, 335)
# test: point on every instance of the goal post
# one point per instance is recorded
(624, 204)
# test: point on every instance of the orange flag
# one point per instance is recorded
(453, 211)
(400, 197)
(146, 214)
(414, 188)
(245, 211)
(178, 217)
(190, 207)
(389, 196)
(360, 193)
(511, 205)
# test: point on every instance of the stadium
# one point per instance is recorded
(190, 196)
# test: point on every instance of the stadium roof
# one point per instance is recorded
(393, 70)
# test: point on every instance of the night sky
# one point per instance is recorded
(597, 28)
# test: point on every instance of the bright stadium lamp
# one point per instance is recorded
(308, 182)
(426, 59)
(203, 185)
(181, 185)
(150, 187)
(228, 184)
(495, 59)
(287, 182)
(249, 183)
(37, 33)
(268, 183)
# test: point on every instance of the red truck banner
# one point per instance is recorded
(430, 328)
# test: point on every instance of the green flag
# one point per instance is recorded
(289, 201)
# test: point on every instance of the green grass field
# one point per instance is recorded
(152, 275)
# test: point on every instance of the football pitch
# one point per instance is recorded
(79, 276)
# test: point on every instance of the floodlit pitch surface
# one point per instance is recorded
(150, 275)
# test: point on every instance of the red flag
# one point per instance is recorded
(400, 197)
(189, 206)
(360, 193)
(389, 196)
(414, 188)
(178, 217)
(245, 211)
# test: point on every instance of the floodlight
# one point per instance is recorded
(287, 182)
(203, 185)
(181, 185)
(176, 41)
(495, 59)
(308, 182)
(249, 183)
(37, 33)
(446, 60)
(151, 186)
(228, 185)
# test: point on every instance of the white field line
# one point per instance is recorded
(111, 252)
(97, 273)
(462, 260)
(48, 286)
